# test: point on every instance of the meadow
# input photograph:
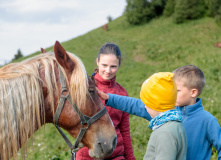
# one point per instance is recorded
(157, 46)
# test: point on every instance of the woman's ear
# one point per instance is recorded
(194, 92)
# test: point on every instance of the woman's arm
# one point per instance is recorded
(124, 127)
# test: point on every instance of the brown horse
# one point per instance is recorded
(29, 95)
(218, 45)
(105, 27)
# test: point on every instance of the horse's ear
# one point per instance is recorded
(62, 57)
(43, 51)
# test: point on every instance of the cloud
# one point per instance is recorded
(35, 11)
(29, 25)
(54, 11)
(27, 6)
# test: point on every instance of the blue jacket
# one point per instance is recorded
(203, 132)
(202, 129)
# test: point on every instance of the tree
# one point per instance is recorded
(157, 7)
(169, 8)
(188, 9)
(213, 7)
(18, 55)
(109, 18)
(218, 17)
(138, 11)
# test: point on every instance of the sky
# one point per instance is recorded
(29, 25)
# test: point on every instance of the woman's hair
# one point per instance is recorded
(110, 48)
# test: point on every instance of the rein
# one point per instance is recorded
(85, 120)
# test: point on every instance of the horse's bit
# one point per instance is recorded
(85, 120)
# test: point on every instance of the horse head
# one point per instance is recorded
(100, 136)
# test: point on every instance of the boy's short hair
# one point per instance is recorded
(191, 76)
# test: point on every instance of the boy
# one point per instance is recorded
(158, 95)
(202, 129)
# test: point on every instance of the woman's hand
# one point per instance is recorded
(102, 95)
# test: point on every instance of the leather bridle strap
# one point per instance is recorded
(85, 120)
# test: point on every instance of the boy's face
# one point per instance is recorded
(184, 95)
(152, 112)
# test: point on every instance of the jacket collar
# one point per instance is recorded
(191, 109)
(100, 80)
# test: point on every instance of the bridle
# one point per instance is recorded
(85, 120)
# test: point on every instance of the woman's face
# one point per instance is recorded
(108, 66)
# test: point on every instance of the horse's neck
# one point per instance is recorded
(48, 108)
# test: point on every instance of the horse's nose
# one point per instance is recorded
(108, 149)
(115, 142)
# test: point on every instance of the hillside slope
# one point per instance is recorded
(157, 46)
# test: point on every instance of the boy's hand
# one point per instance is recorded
(102, 95)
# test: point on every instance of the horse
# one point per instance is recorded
(105, 27)
(218, 45)
(31, 92)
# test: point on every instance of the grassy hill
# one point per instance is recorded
(157, 46)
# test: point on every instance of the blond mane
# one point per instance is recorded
(21, 97)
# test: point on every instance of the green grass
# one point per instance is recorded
(157, 46)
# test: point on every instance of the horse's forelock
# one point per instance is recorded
(78, 82)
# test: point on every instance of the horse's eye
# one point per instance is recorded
(91, 89)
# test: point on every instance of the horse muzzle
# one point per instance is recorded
(103, 148)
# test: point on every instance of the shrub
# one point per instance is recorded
(157, 7)
(212, 7)
(138, 11)
(218, 16)
(188, 9)
(169, 8)
(179, 11)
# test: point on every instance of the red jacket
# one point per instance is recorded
(120, 120)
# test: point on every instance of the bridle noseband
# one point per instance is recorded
(85, 120)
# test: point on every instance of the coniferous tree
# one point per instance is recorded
(18, 55)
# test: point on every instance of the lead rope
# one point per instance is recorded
(73, 155)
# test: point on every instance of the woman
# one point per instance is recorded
(108, 62)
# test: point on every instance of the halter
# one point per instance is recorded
(85, 120)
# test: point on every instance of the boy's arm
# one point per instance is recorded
(214, 135)
(128, 104)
